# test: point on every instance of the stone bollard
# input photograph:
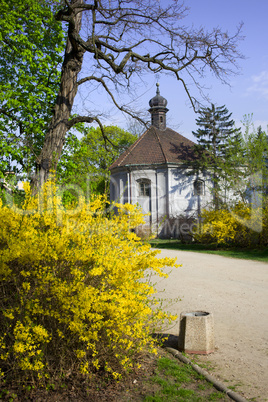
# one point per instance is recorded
(196, 332)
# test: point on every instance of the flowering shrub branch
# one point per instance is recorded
(241, 226)
(72, 291)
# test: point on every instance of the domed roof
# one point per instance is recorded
(158, 100)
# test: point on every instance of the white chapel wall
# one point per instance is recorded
(182, 199)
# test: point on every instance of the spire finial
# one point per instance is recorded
(157, 90)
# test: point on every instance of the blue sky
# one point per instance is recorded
(248, 91)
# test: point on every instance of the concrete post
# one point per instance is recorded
(196, 332)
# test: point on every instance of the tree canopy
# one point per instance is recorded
(32, 42)
(109, 45)
(85, 162)
(255, 158)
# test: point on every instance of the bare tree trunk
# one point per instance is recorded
(55, 136)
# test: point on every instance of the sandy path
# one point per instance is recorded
(236, 292)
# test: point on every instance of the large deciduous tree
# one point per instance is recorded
(31, 48)
(85, 162)
(120, 40)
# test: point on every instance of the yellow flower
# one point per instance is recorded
(78, 285)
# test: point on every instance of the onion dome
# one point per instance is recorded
(158, 110)
(158, 100)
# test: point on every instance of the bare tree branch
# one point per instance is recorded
(122, 108)
(123, 40)
(79, 119)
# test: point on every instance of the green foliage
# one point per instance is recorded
(73, 290)
(30, 53)
(238, 163)
(246, 169)
(255, 148)
(17, 196)
(220, 139)
(215, 131)
(9, 191)
(85, 162)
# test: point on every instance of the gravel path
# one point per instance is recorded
(236, 292)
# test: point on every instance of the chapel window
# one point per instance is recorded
(144, 187)
(199, 187)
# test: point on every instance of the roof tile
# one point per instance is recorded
(157, 146)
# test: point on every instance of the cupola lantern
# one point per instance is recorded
(158, 110)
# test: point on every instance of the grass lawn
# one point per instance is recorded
(170, 380)
(254, 254)
(175, 381)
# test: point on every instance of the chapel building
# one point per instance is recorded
(157, 173)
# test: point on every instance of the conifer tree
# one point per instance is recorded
(220, 139)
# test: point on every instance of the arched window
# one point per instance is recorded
(199, 187)
(144, 187)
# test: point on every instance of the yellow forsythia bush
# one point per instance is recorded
(73, 295)
(241, 226)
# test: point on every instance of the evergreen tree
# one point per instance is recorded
(220, 139)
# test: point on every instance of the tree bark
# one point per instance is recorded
(55, 136)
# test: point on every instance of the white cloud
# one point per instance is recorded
(262, 77)
(260, 84)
